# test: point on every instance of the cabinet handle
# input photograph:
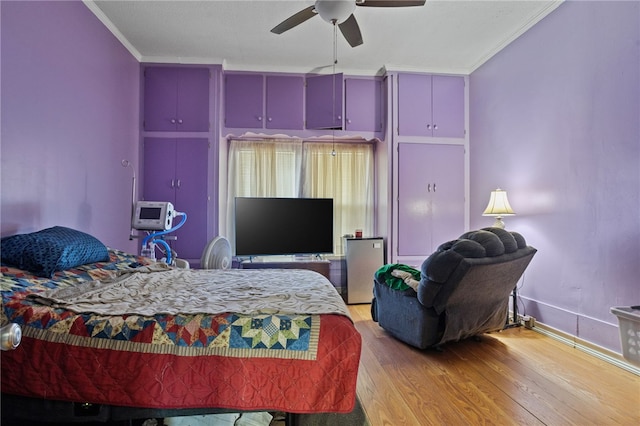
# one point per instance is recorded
(339, 117)
(173, 121)
(428, 126)
(434, 187)
(259, 118)
(180, 121)
(178, 183)
(435, 127)
(173, 183)
(269, 119)
(348, 121)
(429, 188)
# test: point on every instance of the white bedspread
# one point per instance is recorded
(196, 291)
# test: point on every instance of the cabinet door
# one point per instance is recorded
(176, 99)
(448, 106)
(193, 100)
(285, 95)
(324, 101)
(430, 196)
(160, 99)
(191, 197)
(244, 100)
(431, 105)
(159, 169)
(447, 193)
(175, 170)
(363, 105)
(414, 105)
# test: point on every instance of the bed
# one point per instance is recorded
(91, 335)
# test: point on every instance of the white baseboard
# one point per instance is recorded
(585, 346)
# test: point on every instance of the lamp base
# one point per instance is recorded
(498, 223)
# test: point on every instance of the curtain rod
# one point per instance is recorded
(327, 139)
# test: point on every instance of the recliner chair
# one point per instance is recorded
(463, 291)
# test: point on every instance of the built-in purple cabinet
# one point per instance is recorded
(176, 99)
(244, 100)
(248, 105)
(431, 105)
(324, 101)
(284, 102)
(175, 170)
(291, 102)
(363, 104)
(430, 208)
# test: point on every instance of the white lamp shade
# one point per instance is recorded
(335, 10)
(498, 204)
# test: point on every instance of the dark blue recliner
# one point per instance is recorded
(463, 291)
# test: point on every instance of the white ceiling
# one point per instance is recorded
(443, 36)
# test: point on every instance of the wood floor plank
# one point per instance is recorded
(488, 395)
(586, 384)
(514, 377)
(531, 389)
(378, 394)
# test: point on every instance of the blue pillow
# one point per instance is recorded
(53, 249)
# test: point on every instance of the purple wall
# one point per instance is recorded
(555, 120)
(70, 100)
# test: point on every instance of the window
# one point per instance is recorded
(294, 168)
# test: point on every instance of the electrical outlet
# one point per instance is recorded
(529, 321)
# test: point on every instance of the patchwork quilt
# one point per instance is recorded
(123, 333)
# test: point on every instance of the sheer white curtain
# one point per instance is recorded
(347, 177)
(265, 168)
(291, 168)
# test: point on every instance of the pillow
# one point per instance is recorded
(53, 249)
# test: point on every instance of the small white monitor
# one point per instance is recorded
(153, 216)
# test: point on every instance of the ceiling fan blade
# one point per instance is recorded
(295, 20)
(390, 3)
(351, 31)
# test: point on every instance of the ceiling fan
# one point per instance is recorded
(340, 12)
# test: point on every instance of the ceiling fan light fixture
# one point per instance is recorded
(335, 10)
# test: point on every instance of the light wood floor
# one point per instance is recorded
(513, 377)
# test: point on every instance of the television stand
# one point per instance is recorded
(321, 266)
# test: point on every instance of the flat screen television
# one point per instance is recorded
(283, 226)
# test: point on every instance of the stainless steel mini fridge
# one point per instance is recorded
(364, 256)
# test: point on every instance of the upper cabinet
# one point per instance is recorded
(324, 101)
(246, 106)
(363, 104)
(284, 103)
(176, 99)
(431, 105)
(299, 102)
(244, 100)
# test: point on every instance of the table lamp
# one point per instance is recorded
(498, 206)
